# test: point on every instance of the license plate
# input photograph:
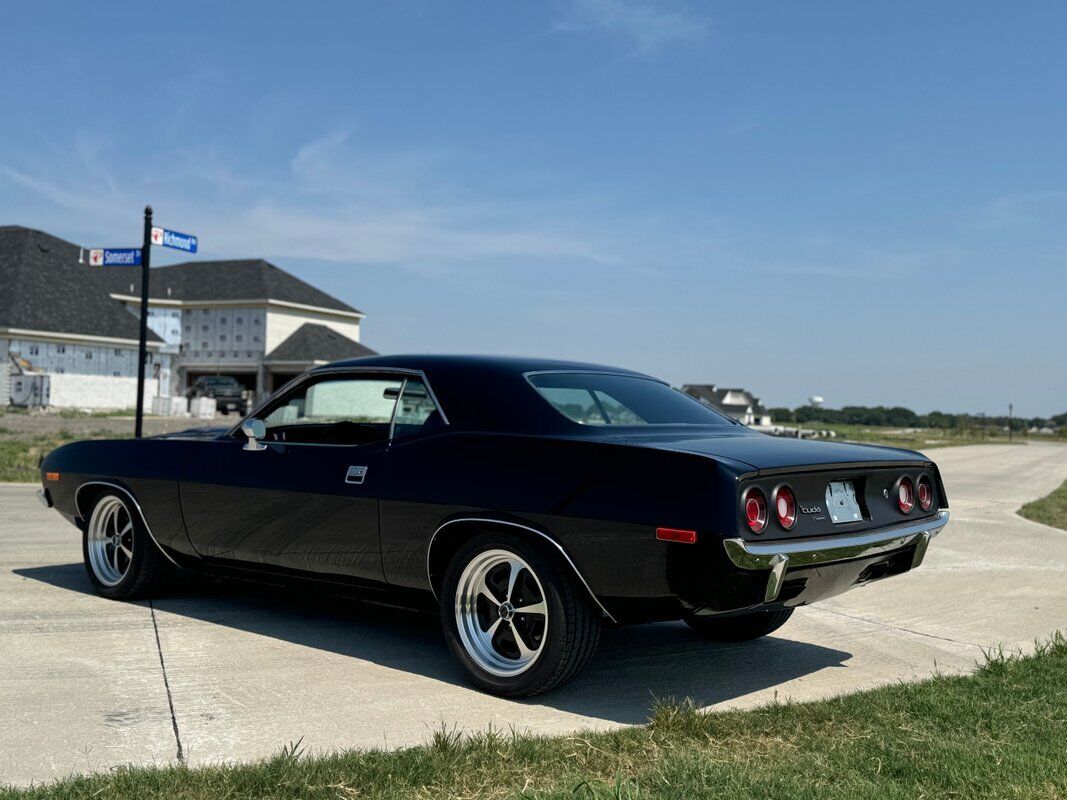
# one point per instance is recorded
(841, 502)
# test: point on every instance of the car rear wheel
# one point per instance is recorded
(739, 628)
(121, 559)
(515, 617)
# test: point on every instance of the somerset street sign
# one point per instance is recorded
(116, 257)
(179, 241)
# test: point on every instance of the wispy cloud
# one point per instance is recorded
(335, 202)
(648, 27)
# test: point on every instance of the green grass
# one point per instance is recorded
(1049, 510)
(916, 439)
(998, 733)
(20, 457)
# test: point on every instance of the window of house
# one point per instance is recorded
(222, 320)
(257, 321)
(61, 348)
(33, 350)
(60, 370)
(238, 338)
(203, 327)
(188, 328)
(187, 311)
(207, 311)
(203, 345)
(222, 337)
(118, 351)
(255, 338)
(240, 320)
(89, 354)
(117, 374)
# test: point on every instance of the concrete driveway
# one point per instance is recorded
(216, 672)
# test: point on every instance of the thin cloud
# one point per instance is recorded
(648, 27)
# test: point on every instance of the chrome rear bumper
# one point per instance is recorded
(781, 555)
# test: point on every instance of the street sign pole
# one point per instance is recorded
(142, 349)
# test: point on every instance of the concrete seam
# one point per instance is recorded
(898, 628)
(166, 685)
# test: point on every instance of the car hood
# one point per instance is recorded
(763, 452)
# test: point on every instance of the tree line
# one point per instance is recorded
(900, 417)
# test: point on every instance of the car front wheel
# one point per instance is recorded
(515, 617)
(121, 559)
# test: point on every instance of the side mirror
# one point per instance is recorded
(255, 430)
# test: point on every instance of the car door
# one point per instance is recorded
(309, 499)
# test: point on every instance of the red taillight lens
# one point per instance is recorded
(905, 496)
(926, 494)
(755, 510)
(785, 504)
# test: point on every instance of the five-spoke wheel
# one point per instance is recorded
(501, 612)
(121, 559)
(515, 617)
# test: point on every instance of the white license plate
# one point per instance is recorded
(841, 502)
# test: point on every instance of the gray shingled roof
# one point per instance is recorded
(44, 288)
(311, 342)
(242, 279)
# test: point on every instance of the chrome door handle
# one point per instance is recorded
(356, 475)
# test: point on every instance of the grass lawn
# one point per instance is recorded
(1050, 510)
(20, 455)
(998, 733)
(916, 439)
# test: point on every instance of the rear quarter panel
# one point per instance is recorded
(601, 501)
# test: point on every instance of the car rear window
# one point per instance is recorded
(593, 398)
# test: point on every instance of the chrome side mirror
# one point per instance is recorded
(255, 430)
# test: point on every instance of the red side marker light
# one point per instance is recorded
(51, 476)
(676, 535)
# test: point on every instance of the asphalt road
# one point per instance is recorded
(219, 672)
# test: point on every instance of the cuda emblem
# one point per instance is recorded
(811, 509)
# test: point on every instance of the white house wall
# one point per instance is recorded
(282, 323)
(97, 391)
(5, 374)
(223, 335)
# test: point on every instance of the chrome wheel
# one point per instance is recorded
(109, 541)
(501, 613)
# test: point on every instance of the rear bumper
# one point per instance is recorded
(778, 557)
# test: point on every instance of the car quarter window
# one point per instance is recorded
(417, 412)
(593, 398)
(336, 410)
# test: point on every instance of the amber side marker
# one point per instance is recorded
(676, 535)
(51, 476)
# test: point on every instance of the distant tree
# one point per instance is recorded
(781, 415)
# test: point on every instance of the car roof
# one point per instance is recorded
(466, 363)
(487, 393)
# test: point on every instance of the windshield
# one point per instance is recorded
(591, 398)
(220, 381)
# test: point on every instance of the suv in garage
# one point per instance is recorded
(225, 389)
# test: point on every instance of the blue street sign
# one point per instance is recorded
(117, 257)
(179, 241)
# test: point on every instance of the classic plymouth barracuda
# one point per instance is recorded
(531, 501)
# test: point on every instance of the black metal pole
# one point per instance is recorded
(142, 348)
(1011, 420)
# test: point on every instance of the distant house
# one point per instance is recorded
(740, 404)
(69, 331)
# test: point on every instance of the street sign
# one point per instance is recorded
(179, 241)
(116, 257)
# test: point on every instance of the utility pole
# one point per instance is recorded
(1011, 420)
(142, 349)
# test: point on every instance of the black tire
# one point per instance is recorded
(572, 625)
(145, 572)
(740, 628)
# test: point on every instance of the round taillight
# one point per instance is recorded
(926, 494)
(905, 496)
(785, 505)
(755, 505)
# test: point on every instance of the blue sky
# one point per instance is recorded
(866, 201)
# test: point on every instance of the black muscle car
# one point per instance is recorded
(530, 500)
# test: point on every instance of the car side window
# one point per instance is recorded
(348, 410)
(416, 412)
